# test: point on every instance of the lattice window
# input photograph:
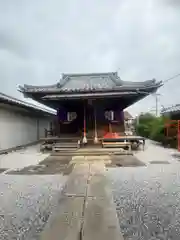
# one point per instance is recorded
(71, 116)
(109, 115)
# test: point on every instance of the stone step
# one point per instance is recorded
(68, 152)
(66, 145)
(72, 150)
(64, 148)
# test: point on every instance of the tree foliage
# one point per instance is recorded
(151, 126)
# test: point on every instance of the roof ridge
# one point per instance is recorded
(87, 74)
(40, 86)
(67, 77)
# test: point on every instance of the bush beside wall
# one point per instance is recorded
(153, 127)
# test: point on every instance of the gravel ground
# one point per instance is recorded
(147, 197)
(26, 203)
(22, 158)
(148, 201)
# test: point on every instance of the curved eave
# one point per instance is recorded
(88, 95)
(128, 98)
(122, 88)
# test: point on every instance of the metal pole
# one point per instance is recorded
(156, 105)
(156, 99)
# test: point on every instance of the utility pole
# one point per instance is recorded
(156, 95)
(156, 105)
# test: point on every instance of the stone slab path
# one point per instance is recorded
(86, 210)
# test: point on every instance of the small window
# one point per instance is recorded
(71, 116)
(109, 115)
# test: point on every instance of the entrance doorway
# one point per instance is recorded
(90, 121)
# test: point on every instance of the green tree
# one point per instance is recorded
(158, 129)
(151, 126)
(144, 124)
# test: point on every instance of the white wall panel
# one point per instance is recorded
(18, 129)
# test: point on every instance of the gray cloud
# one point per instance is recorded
(39, 40)
(172, 3)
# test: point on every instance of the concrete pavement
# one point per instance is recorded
(87, 210)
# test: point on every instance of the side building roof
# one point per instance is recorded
(171, 110)
(127, 115)
(5, 99)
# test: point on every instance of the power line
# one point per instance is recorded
(171, 78)
(156, 95)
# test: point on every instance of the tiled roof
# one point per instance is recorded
(172, 109)
(90, 83)
(11, 100)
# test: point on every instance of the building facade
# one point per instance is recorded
(89, 105)
(21, 123)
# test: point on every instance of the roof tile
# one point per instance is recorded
(90, 82)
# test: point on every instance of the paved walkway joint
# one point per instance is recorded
(86, 210)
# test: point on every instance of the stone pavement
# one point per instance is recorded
(86, 210)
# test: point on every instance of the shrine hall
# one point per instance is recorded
(91, 105)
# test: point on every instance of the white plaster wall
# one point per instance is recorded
(18, 129)
(43, 123)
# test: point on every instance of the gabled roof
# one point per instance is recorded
(91, 82)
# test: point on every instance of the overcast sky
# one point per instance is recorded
(40, 39)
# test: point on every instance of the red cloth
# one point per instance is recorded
(111, 135)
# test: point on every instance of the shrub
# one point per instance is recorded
(151, 127)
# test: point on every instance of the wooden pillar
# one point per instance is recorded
(111, 118)
(95, 126)
(110, 127)
(84, 134)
